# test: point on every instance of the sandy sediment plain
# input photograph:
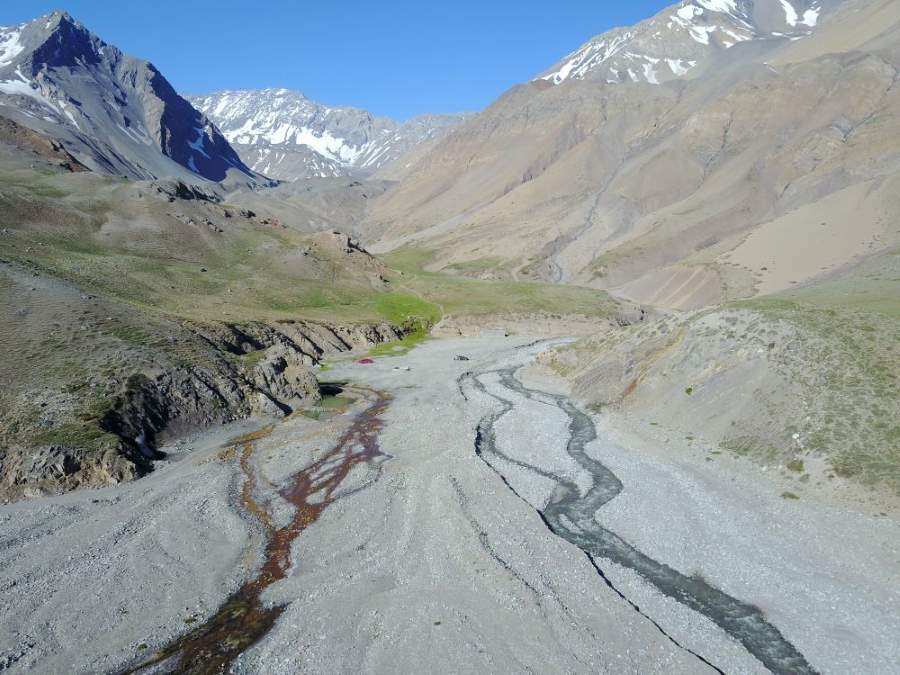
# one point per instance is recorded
(433, 559)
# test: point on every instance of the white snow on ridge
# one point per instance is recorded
(811, 16)
(25, 87)
(562, 73)
(286, 133)
(680, 67)
(68, 113)
(790, 14)
(198, 145)
(589, 56)
(327, 145)
(701, 33)
(10, 46)
(274, 125)
(684, 32)
(726, 6)
(282, 132)
(19, 88)
(688, 12)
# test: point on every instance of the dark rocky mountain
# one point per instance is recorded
(114, 113)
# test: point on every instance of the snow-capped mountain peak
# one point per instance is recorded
(283, 134)
(670, 44)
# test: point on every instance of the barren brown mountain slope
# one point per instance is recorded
(677, 194)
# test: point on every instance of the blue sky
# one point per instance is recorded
(397, 58)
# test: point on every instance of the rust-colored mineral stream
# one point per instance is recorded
(243, 619)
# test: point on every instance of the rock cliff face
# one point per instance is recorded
(255, 369)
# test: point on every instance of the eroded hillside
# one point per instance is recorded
(806, 382)
(680, 194)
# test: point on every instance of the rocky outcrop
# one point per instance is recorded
(250, 369)
(176, 189)
(271, 376)
(33, 472)
(284, 381)
(39, 147)
(312, 340)
(172, 402)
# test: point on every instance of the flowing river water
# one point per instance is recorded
(571, 514)
(244, 618)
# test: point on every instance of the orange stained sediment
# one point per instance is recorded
(243, 619)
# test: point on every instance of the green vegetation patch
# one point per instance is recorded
(464, 296)
(409, 259)
(400, 308)
(795, 465)
(329, 406)
(251, 359)
(400, 347)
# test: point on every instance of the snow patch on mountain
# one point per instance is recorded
(22, 86)
(790, 14)
(811, 16)
(10, 44)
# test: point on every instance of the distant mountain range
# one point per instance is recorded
(284, 135)
(114, 113)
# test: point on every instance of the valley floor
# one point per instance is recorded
(439, 553)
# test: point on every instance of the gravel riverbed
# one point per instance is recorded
(429, 561)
